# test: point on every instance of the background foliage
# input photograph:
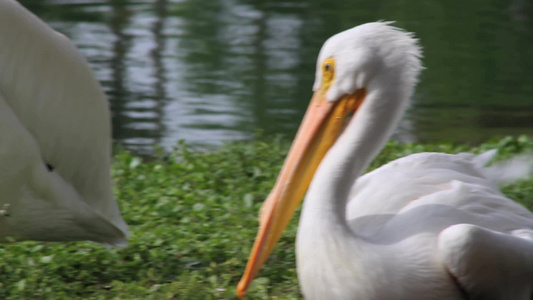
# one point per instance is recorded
(193, 217)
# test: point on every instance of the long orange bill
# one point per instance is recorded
(322, 124)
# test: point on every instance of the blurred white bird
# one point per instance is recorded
(55, 138)
(426, 226)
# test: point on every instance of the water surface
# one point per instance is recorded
(218, 70)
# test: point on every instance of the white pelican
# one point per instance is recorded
(55, 138)
(427, 226)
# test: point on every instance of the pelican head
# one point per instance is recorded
(364, 78)
(363, 55)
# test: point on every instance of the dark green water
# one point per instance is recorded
(216, 70)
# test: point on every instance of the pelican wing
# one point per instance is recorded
(487, 264)
(456, 180)
(55, 137)
(483, 239)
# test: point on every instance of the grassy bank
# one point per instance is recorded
(193, 217)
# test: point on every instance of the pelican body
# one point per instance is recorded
(55, 138)
(426, 226)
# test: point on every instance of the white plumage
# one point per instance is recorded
(55, 138)
(426, 226)
(410, 217)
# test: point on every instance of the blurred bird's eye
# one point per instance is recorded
(328, 67)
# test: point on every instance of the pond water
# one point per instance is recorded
(218, 70)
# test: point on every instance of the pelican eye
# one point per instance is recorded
(328, 73)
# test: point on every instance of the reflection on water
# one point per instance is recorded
(211, 71)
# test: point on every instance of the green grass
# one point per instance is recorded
(193, 217)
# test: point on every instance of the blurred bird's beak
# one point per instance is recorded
(320, 128)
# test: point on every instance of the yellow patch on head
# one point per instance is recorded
(328, 74)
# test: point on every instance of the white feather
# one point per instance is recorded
(52, 111)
